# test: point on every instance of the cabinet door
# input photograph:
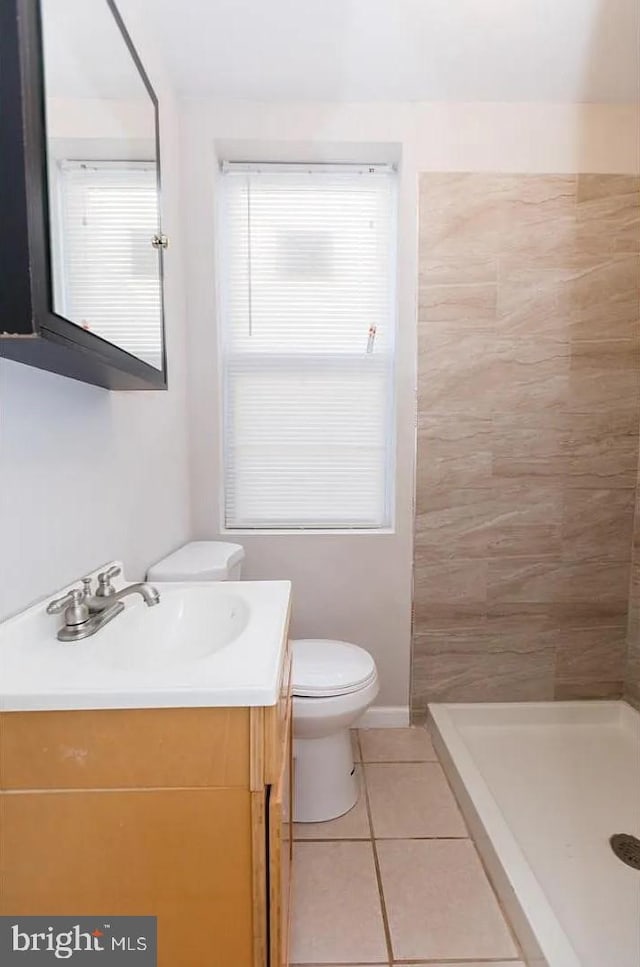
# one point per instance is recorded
(280, 856)
(95, 315)
(182, 855)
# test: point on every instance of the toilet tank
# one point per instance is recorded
(200, 561)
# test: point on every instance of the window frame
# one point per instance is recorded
(389, 527)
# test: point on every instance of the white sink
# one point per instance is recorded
(203, 644)
(190, 624)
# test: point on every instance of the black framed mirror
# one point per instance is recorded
(81, 249)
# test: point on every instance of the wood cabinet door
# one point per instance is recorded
(182, 855)
(280, 856)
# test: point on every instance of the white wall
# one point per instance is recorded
(358, 587)
(87, 475)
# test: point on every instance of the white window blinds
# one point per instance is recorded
(307, 327)
(108, 279)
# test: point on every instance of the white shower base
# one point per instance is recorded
(543, 787)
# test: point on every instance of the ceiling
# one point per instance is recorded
(85, 55)
(400, 50)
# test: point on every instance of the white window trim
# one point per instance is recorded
(389, 529)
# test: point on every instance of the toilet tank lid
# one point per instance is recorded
(198, 561)
(323, 667)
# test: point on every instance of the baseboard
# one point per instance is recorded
(384, 717)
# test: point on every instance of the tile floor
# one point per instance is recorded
(397, 879)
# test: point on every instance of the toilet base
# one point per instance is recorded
(325, 783)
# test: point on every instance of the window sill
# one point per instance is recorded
(306, 532)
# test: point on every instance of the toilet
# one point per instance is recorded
(333, 683)
(200, 561)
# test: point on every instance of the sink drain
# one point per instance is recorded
(627, 848)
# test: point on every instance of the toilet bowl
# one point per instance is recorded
(333, 683)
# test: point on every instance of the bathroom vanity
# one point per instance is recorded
(175, 803)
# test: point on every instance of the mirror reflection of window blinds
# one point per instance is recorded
(308, 315)
(109, 271)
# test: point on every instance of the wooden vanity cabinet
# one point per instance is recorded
(181, 813)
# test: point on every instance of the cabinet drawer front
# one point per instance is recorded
(124, 748)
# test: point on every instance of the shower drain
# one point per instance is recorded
(627, 848)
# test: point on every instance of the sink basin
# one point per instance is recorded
(189, 624)
(203, 644)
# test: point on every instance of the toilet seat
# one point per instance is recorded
(323, 668)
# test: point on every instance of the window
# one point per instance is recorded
(307, 329)
(107, 272)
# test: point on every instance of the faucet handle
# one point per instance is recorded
(105, 587)
(71, 598)
(86, 586)
(73, 604)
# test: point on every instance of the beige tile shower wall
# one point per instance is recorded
(528, 407)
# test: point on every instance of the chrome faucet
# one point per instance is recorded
(106, 595)
(85, 612)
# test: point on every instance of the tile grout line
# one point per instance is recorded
(376, 862)
(453, 963)
(400, 762)
(418, 963)
(383, 839)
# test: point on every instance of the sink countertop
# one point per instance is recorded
(214, 644)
